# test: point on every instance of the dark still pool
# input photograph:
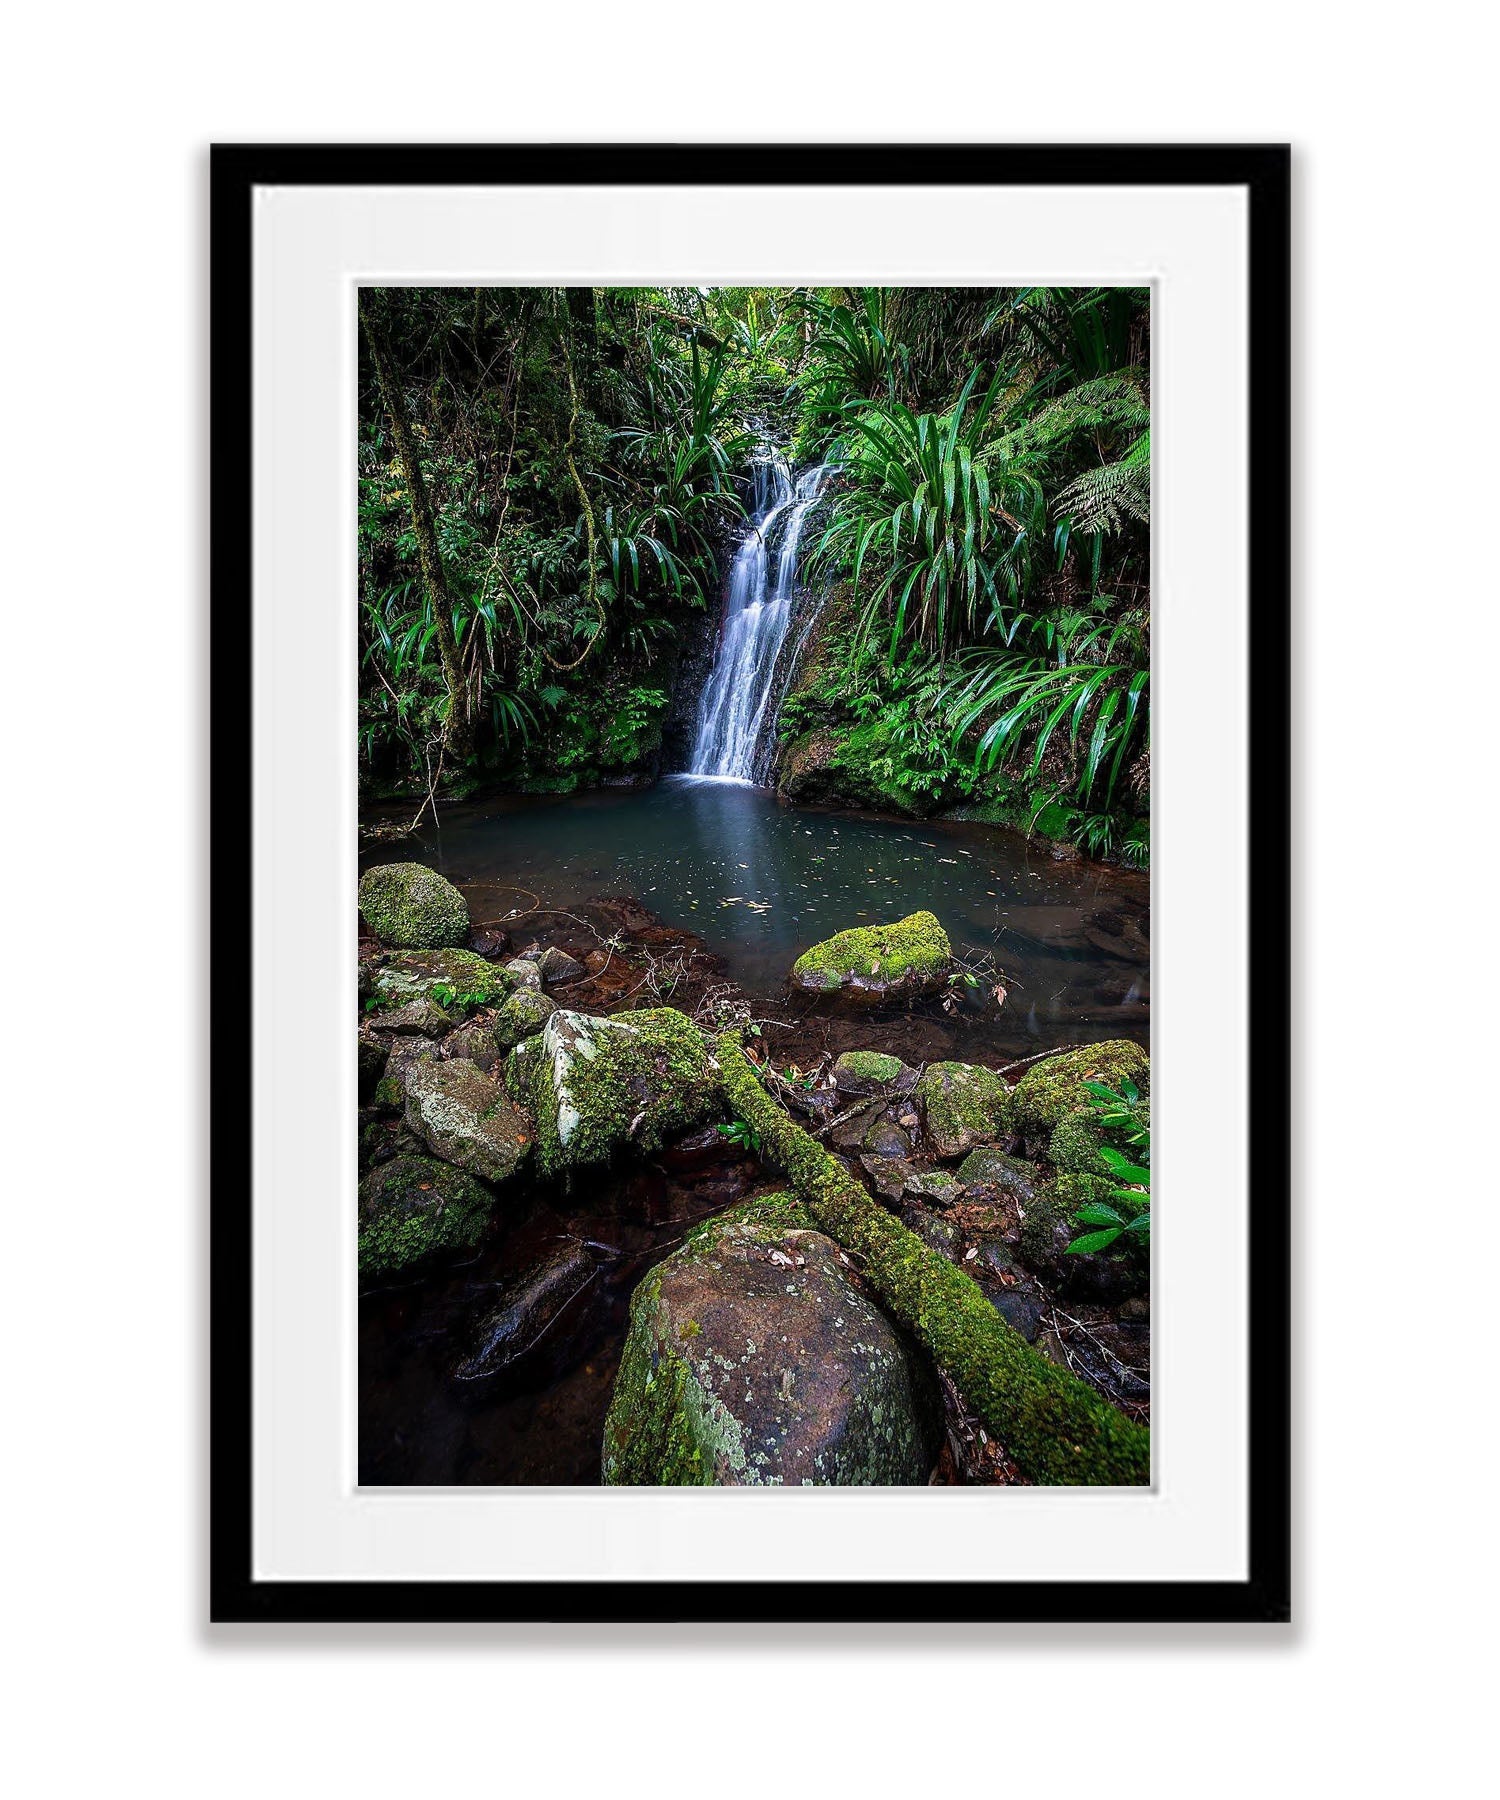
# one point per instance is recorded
(759, 882)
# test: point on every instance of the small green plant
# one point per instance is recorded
(1122, 1111)
(737, 1131)
(462, 999)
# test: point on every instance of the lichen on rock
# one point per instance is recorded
(963, 1105)
(466, 1117)
(878, 962)
(752, 1360)
(596, 1086)
(411, 907)
(454, 980)
(522, 1016)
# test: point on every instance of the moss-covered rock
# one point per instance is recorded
(753, 1361)
(373, 1052)
(989, 1172)
(963, 1105)
(869, 1072)
(1057, 1429)
(875, 963)
(1051, 1224)
(1074, 1144)
(1052, 1089)
(466, 1117)
(936, 1186)
(522, 1016)
(456, 981)
(410, 907)
(596, 1086)
(412, 1208)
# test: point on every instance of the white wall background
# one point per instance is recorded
(1379, 1686)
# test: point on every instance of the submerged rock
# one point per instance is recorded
(876, 963)
(466, 1117)
(752, 1361)
(490, 941)
(598, 1085)
(412, 1208)
(964, 1105)
(529, 1305)
(411, 907)
(1052, 1089)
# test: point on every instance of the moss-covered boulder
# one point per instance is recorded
(410, 907)
(522, 1016)
(870, 1072)
(596, 1086)
(412, 1208)
(1051, 1224)
(404, 1055)
(963, 1105)
(1075, 1143)
(456, 981)
(1052, 1089)
(878, 963)
(753, 1361)
(466, 1117)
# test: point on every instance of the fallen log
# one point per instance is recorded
(1055, 1427)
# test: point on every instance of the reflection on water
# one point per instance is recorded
(760, 882)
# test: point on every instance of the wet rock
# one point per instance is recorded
(1052, 1089)
(936, 1233)
(936, 1186)
(557, 966)
(372, 1054)
(887, 1175)
(466, 1117)
(849, 1133)
(405, 1054)
(475, 1043)
(417, 1018)
(817, 1104)
(525, 1313)
(522, 1016)
(988, 1171)
(752, 1360)
(997, 1259)
(963, 1105)
(523, 972)
(410, 907)
(1136, 1311)
(884, 1137)
(598, 1086)
(868, 1072)
(489, 941)
(1018, 1310)
(455, 980)
(873, 964)
(412, 1208)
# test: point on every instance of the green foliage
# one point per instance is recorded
(737, 1131)
(1123, 1112)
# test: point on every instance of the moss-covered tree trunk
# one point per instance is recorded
(458, 733)
(1057, 1429)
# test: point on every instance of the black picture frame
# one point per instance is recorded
(1263, 172)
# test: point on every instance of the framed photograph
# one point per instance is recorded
(758, 1089)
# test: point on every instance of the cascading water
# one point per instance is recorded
(732, 713)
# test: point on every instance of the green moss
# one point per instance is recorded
(1050, 1090)
(411, 907)
(455, 980)
(964, 1105)
(1074, 1144)
(412, 1208)
(913, 951)
(522, 1016)
(596, 1085)
(1057, 1429)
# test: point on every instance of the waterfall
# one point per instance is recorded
(732, 713)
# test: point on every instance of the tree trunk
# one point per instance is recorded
(1055, 1427)
(458, 733)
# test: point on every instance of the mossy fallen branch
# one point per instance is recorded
(1057, 1429)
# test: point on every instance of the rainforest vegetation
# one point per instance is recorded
(754, 969)
(552, 481)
